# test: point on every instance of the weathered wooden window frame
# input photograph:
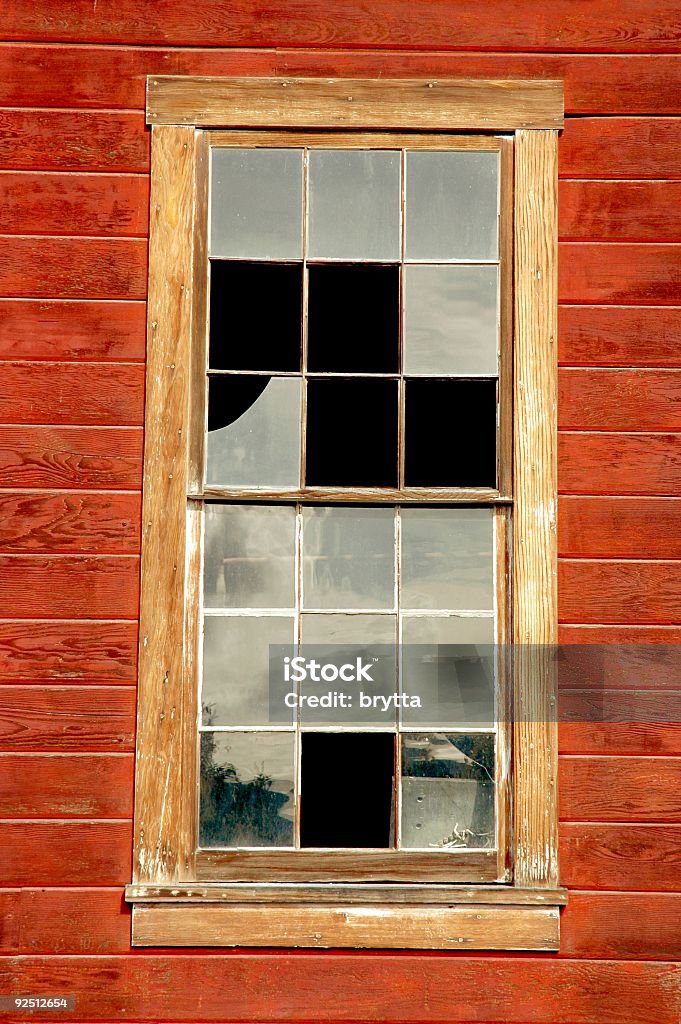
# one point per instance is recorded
(172, 903)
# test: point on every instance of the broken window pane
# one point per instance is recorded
(249, 556)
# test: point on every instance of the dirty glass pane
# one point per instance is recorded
(247, 789)
(447, 791)
(249, 556)
(354, 205)
(256, 206)
(452, 203)
(348, 558)
(447, 558)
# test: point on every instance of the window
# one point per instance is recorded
(343, 422)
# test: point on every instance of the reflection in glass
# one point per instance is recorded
(249, 556)
(247, 789)
(236, 668)
(354, 205)
(452, 203)
(348, 558)
(451, 320)
(256, 208)
(447, 558)
(447, 792)
(253, 431)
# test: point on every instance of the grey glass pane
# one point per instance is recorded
(447, 558)
(256, 207)
(450, 320)
(247, 789)
(261, 447)
(448, 792)
(348, 558)
(236, 668)
(452, 206)
(249, 556)
(354, 199)
(448, 662)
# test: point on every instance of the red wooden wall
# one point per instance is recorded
(74, 155)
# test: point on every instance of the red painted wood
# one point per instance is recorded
(107, 457)
(87, 141)
(73, 204)
(69, 586)
(619, 527)
(639, 857)
(10, 920)
(620, 399)
(72, 921)
(645, 738)
(66, 785)
(635, 658)
(636, 789)
(66, 852)
(68, 652)
(620, 147)
(91, 268)
(77, 522)
(620, 211)
(42, 392)
(608, 463)
(619, 591)
(619, 335)
(629, 926)
(78, 718)
(62, 330)
(606, 272)
(619, 634)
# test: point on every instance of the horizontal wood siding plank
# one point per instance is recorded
(639, 857)
(76, 522)
(91, 268)
(71, 921)
(69, 586)
(619, 399)
(87, 141)
(620, 147)
(62, 330)
(42, 392)
(610, 463)
(637, 789)
(619, 211)
(619, 335)
(619, 527)
(629, 738)
(66, 852)
(66, 785)
(620, 635)
(608, 272)
(68, 457)
(73, 204)
(78, 718)
(619, 591)
(83, 652)
(630, 926)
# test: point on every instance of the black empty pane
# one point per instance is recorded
(351, 433)
(255, 315)
(353, 318)
(346, 789)
(450, 433)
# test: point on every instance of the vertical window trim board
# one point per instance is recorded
(168, 901)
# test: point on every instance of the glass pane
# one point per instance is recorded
(354, 205)
(348, 558)
(452, 206)
(447, 558)
(247, 789)
(256, 208)
(451, 320)
(236, 669)
(254, 431)
(448, 792)
(448, 663)
(249, 556)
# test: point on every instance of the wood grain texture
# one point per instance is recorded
(62, 330)
(619, 527)
(609, 463)
(629, 926)
(607, 664)
(619, 635)
(638, 857)
(602, 591)
(90, 268)
(78, 718)
(636, 789)
(535, 609)
(70, 457)
(87, 141)
(65, 852)
(84, 652)
(73, 921)
(73, 204)
(45, 392)
(619, 399)
(608, 272)
(403, 927)
(620, 147)
(620, 211)
(70, 586)
(629, 738)
(70, 523)
(619, 335)
(10, 920)
(66, 785)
